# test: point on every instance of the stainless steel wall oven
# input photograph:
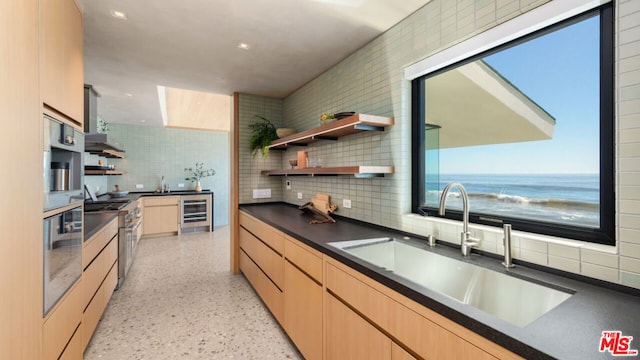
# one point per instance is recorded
(63, 182)
(62, 255)
(62, 164)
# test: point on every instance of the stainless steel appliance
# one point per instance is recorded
(62, 255)
(60, 176)
(97, 143)
(196, 212)
(129, 229)
(129, 233)
(63, 164)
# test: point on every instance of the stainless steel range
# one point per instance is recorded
(129, 229)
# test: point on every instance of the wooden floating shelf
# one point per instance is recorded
(106, 153)
(343, 127)
(103, 172)
(357, 171)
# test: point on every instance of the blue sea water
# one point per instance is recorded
(560, 198)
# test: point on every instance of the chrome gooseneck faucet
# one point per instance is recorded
(507, 246)
(466, 241)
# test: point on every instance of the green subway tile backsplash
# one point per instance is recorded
(154, 151)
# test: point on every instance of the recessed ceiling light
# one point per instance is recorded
(243, 46)
(128, 94)
(143, 121)
(119, 14)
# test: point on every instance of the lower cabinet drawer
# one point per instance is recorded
(348, 336)
(266, 233)
(62, 322)
(304, 257)
(93, 312)
(97, 242)
(161, 200)
(418, 333)
(270, 294)
(98, 270)
(268, 260)
(303, 311)
(74, 349)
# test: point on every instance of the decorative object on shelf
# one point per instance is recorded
(117, 193)
(302, 160)
(358, 171)
(326, 118)
(320, 206)
(284, 132)
(293, 163)
(263, 133)
(342, 115)
(198, 173)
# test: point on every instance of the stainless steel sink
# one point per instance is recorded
(514, 300)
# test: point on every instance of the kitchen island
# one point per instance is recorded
(572, 330)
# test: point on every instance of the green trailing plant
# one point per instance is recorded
(198, 172)
(263, 132)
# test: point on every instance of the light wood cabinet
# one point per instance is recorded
(62, 74)
(266, 289)
(303, 298)
(415, 327)
(94, 274)
(268, 260)
(398, 353)
(21, 239)
(62, 322)
(98, 304)
(331, 311)
(349, 336)
(161, 215)
(92, 247)
(99, 278)
(74, 348)
(270, 236)
(262, 265)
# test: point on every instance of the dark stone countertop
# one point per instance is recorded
(572, 330)
(135, 195)
(94, 221)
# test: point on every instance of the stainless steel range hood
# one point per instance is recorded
(95, 142)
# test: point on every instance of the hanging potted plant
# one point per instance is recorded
(198, 173)
(263, 133)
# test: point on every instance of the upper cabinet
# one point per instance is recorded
(62, 72)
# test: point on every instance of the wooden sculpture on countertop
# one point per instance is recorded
(322, 207)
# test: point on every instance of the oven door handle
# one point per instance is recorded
(135, 226)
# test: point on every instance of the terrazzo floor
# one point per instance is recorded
(180, 301)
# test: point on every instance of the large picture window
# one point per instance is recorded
(527, 128)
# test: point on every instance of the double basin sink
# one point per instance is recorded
(512, 299)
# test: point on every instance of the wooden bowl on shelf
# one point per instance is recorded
(284, 132)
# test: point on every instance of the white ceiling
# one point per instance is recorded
(193, 45)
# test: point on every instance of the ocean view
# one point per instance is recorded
(560, 198)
